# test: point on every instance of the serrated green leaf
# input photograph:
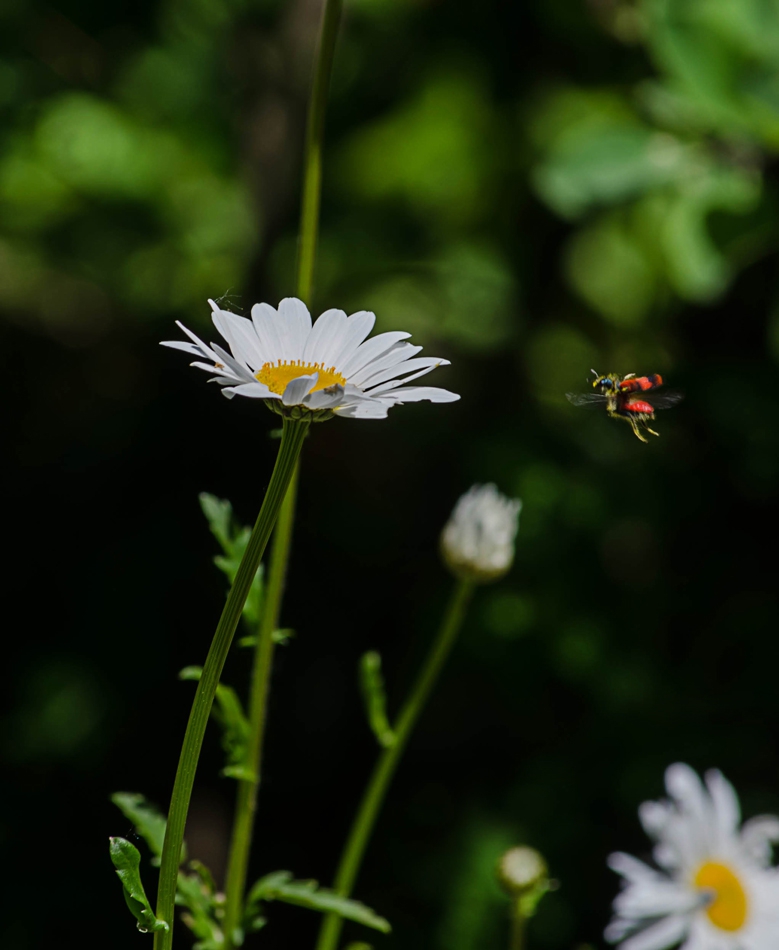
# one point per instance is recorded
(228, 712)
(233, 540)
(197, 893)
(280, 886)
(126, 858)
(147, 819)
(374, 697)
(280, 637)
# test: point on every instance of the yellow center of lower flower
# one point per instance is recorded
(728, 908)
(277, 375)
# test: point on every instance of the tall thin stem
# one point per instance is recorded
(293, 434)
(374, 794)
(246, 802)
(315, 132)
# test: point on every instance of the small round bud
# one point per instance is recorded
(477, 543)
(521, 870)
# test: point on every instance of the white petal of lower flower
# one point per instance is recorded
(715, 875)
(659, 936)
(298, 389)
(758, 835)
(322, 367)
(727, 813)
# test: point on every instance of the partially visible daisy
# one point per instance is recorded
(325, 368)
(478, 540)
(717, 889)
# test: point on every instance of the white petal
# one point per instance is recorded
(240, 334)
(192, 348)
(240, 370)
(394, 383)
(394, 356)
(693, 832)
(255, 390)
(369, 409)
(325, 398)
(358, 326)
(370, 350)
(326, 338)
(418, 393)
(631, 868)
(271, 344)
(757, 836)
(222, 375)
(205, 350)
(665, 933)
(298, 388)
(423, 363)
(297, 325)
(727, 811)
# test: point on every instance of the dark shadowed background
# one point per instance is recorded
(532, 190)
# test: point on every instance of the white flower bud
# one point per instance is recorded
(520, 870)
(478, 540)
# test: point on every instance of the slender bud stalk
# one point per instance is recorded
(384, 770)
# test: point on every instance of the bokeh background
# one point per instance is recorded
(533, 190)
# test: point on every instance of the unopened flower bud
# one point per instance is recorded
(478, 540)
(521, 870)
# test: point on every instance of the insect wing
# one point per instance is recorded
(586, 399)
(667, 399)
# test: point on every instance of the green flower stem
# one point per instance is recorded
(518, 921)
(246, 803)
(376, 790)
(293, 434)
(312, 162)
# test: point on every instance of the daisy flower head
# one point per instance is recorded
(715, 888)
(313, 370)
(477, 542)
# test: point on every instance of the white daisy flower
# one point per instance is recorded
(716, 889)
(325, 368)
(478, 540)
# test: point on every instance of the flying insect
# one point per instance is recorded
(623, 398)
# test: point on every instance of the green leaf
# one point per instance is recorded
(197, 893)
(280, 886)
(233, 540)
(126, 858)
(372, 683)
(281, 637)
(147, 819)
(228, 712)
(359, 946)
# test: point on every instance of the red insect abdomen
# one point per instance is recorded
(642, 384)
(638, 405)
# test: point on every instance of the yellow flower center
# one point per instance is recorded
(277, 375)
(728, 909)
